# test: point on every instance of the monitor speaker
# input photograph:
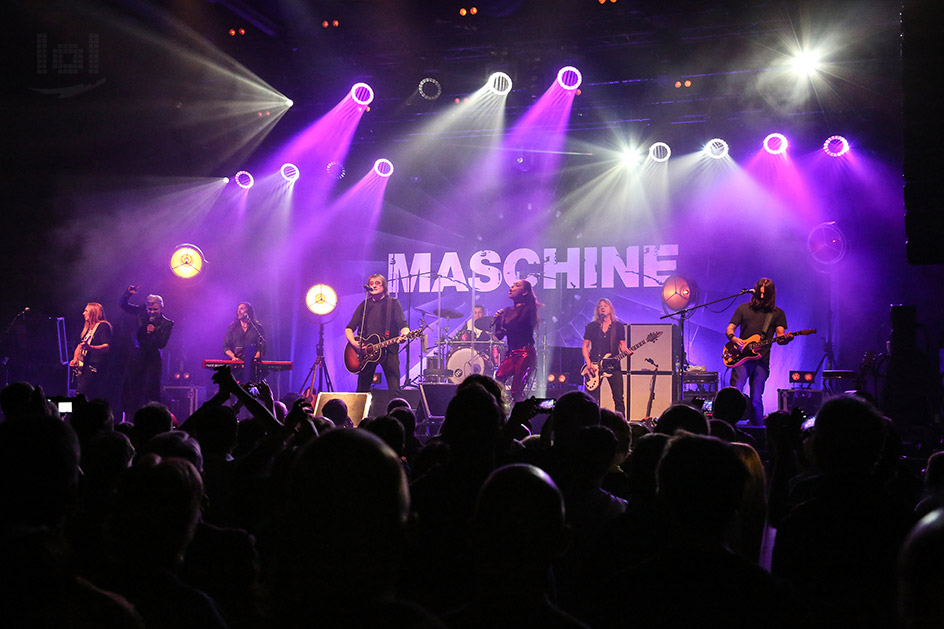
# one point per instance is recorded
(434, 399)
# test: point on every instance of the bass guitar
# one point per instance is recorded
(735, 356)
(591, 377)
(372, 350)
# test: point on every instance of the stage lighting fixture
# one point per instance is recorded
(225, 180)
(678, 292)
(630, 158)
(660, 152)
(321, 299)
(289, 102)
(551, 378)
(362, 94)
(775, 143)
(383, 167)
(806, 63)
(569, 78)
(836, 146)
(802, 377)
(244, 179)
(678, 84)
(289, 172)
(463, 12)
(716, 148)
(499, 83)
(335, 170)
(430, 88)
(187, 261)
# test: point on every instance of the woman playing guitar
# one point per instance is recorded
(90, 356)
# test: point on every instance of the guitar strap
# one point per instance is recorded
(387, 315)
(770, 315)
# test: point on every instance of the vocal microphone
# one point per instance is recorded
(651, 362)
(747, 290)
(23, 312)
(366, 287)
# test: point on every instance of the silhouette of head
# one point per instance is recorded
(682, 417)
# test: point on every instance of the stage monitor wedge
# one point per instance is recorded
(357, 404)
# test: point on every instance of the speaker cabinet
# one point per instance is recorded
(380, 398)
(658, 386)
(357, 404)
(435, 398)
(662, 350)
(809, 400)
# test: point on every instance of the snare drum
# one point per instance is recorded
(465, 361)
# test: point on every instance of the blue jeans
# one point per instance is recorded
(754, 372)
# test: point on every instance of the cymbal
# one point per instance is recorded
(483, 323)
(445, 313)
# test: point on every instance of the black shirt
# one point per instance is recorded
(602, 344)
(751, 322)
(384, 317)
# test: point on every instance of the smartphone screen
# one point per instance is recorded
(546, 405)
(65, 407)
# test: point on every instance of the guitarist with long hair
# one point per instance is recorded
(91, 354)
(381, 315)
(605, 336)
(760, 316)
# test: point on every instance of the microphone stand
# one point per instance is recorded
(681, 366)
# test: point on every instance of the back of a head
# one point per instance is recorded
(406, 417)
(335, 409)
(519, 518)
(39, 470)
(15, 399)
(620, 427)
(489, 384)
(149, 420)
(397, 402)
(472, 420)
(594, 448)
(921, 575)
(729, 405)
(174, 444)
(934, 473)
(105, 456)
(721, 429)
(156, 508)
(217, 430)
(91, 419)
(573, 411)
(848, 436)
(643, 461)
(390, 431)
(682, 417)
(700, 484)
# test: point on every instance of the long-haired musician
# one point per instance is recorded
(90, 358)
(762, 317)
(603, 336)
(517, 323)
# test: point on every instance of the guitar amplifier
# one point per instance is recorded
(809, 400)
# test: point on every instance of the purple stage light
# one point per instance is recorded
(716, 148)
(775, 144)
(499, 83)
(289, 172)
(569, 78)
(430, 88)
(383, 167)
(244, 179)
(362, 94)
(335, 170)
(660, 152)
(836, 146)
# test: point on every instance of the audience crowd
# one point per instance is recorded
(287, 519)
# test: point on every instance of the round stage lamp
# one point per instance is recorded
(321, 299)
(678, 292)
(187, 261)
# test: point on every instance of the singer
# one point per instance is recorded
(381, 315)
(604, 339)
(518, 323)
(143, 378)
(245, 332)
(757, 317)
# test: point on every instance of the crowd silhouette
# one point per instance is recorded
(288, 519)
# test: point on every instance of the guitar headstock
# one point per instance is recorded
(412, 334)
(652, 336)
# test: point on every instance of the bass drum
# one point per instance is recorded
(465, 361)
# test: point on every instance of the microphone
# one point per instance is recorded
(651, 362)
(747, 290)
(366, 287)
(23, 312)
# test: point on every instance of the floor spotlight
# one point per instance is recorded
(244, 179)
(716, 148)
(836, 146)
(321, 299)
(289, 172)
(499, 83)
(383, 167)
(187, 261)
(678, 292)
(775, 144)
(660, 152)
(362, 94)
(569, 78)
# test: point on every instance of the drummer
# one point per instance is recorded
(481, 327)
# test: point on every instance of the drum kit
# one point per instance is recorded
(471, 350)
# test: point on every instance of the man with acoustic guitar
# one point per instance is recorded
(376, 319)
(758, 317)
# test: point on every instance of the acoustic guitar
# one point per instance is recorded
(372, 350)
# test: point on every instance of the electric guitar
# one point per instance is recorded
(371, 351)
(591, 380)
(80, 352)
(735, 356)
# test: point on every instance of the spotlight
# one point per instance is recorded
(836, 146)
(187, 261)
(321, 299)
(244, 179)
(430, 88)
(678, 292)
(362, 94)
(716, 148)
(551, 377)
(802, 377)
(335, 170)
(678, 84)
(499, 83)
(562, 378)
(289, 102)
(383, 167)
(569, 78)
(630, 158)
(775, 144)
(806, 63)
(687, 83)
(289, 172)
(463, 12)
(660, 152)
